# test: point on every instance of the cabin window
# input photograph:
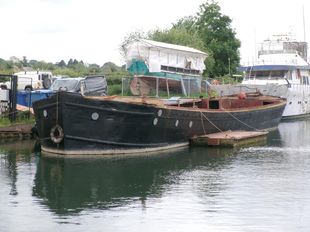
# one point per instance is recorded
(172, 69)
(179, 70)
(262, 74)
(214, 104)
(164, 68)
(277, 74)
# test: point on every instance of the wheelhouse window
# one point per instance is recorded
(262, 74)
(277, 74)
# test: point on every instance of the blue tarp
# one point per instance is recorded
(26, 98)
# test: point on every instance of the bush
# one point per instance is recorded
(114, 89)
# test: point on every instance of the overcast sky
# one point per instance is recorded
(92, 30)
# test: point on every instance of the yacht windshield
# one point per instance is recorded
(275, 74)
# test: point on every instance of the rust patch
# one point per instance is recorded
(213, 142)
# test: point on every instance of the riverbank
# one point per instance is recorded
(17, 131)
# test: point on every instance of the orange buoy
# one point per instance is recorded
(242, 95)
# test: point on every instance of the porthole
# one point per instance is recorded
(95, 116)
(159, 113)
(45, 113)
(155, 121)
(176, 123)
(190, 124)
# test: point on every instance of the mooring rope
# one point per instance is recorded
(202, 114)
(241, 121)
(203, 127)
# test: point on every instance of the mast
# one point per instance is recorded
(304, 24)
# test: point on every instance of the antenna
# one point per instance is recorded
(255, 51)
(304, 24)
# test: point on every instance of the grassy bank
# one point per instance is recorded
(22, 118)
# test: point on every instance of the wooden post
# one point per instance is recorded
(167, 84)
(183, 87)
(157, 86)
(122, 86)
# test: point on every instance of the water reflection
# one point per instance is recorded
(258, 188)
(69, 185)
(15, 152)
(295, 133)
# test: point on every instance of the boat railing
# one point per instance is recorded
(278, 51)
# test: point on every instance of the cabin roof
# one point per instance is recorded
(151, 43)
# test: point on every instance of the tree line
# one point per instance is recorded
(72, 68)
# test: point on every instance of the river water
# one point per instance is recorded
(263, 188)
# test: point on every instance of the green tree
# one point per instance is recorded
(187, 22)
(178, 35)
(62, 63)
(109, 67)
(133, 36)
(217, 34)
(25, 61)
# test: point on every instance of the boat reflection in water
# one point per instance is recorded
(68, 186)
(295, 133)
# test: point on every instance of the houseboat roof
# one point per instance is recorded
(156, 44)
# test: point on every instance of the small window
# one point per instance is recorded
(214, 104)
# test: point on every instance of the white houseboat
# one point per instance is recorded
(158, 66)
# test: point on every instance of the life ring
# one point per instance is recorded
(57, 134)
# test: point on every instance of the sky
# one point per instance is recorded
(92, 30)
